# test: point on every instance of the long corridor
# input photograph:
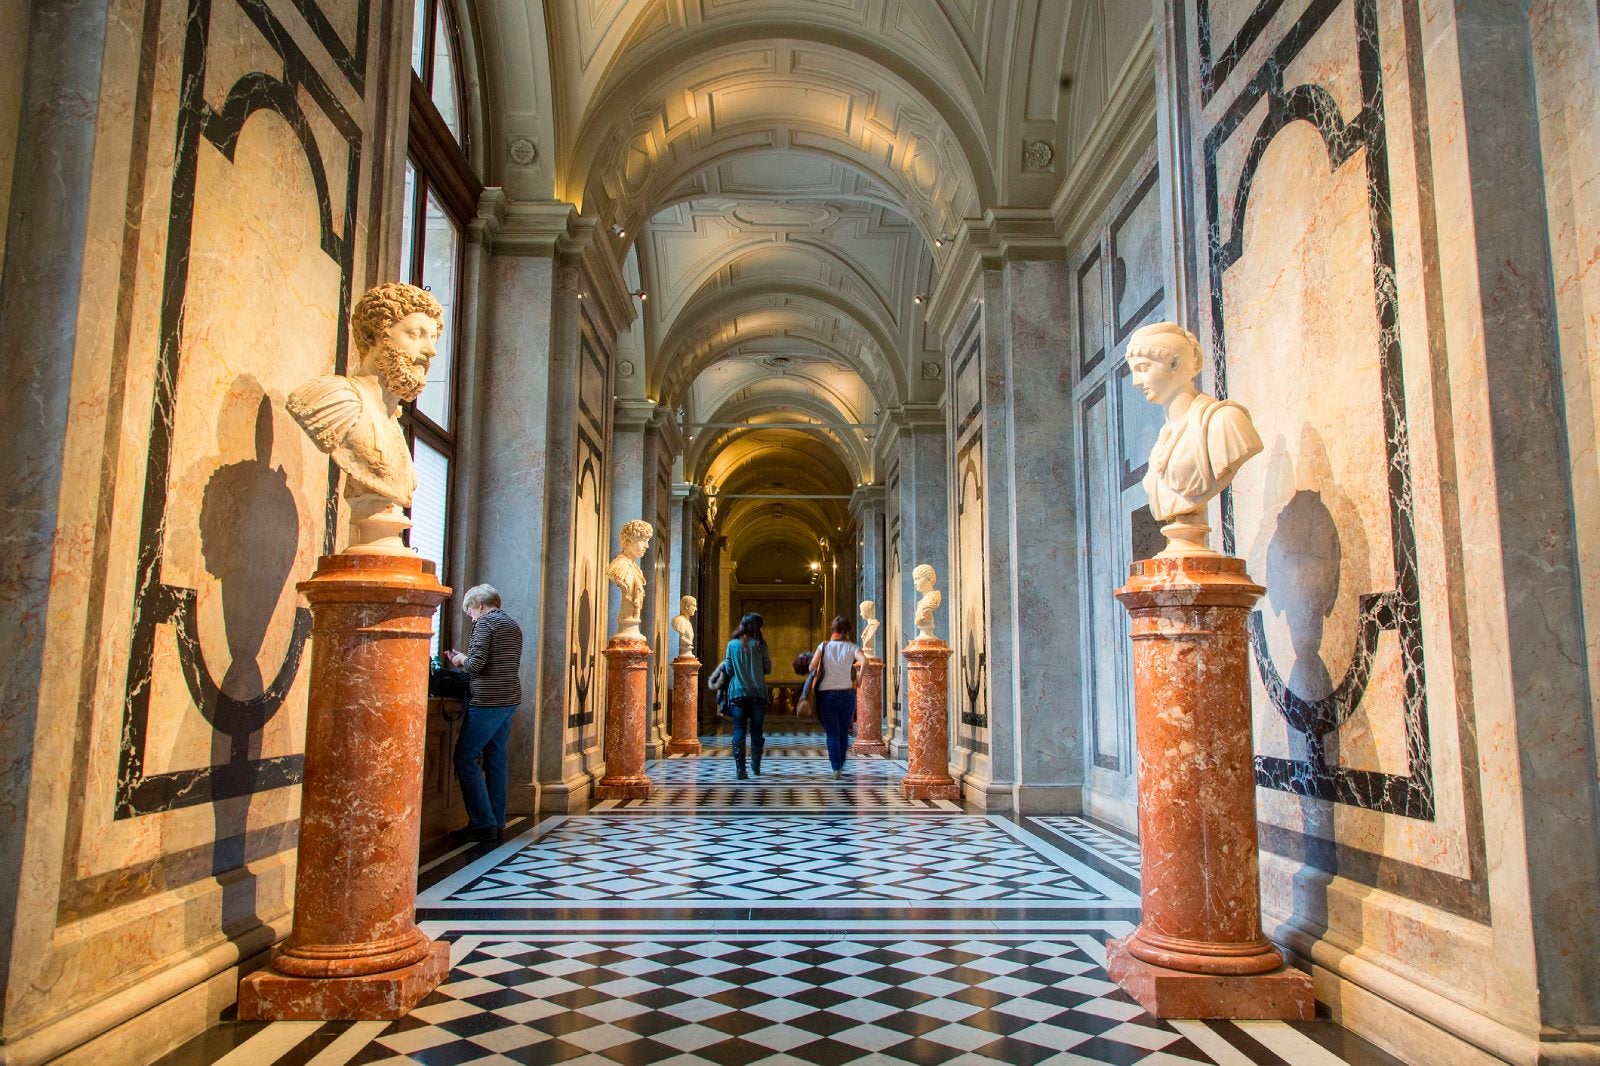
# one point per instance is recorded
(790, 918)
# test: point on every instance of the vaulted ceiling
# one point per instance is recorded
(784, 179)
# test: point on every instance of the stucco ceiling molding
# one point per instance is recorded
(881, 106)
(849, 447)
(706, 330)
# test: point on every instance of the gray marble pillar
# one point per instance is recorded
(921, 450)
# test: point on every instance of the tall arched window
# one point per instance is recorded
(441, 193)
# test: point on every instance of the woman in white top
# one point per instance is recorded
(836, 668)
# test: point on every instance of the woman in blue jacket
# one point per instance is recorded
(749, 662)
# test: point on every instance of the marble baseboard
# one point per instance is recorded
(565, 797)
(150, 1019)
(1413, 1022)
(1049, 799)
(522, 798)
(986, 795)
(1118, 811)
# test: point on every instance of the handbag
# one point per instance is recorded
(805, 705)
(448, 683)
(719, 685)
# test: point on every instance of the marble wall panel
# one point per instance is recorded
(1116, 427)
(1315, 323)
(970, 619)
(590, 551)
(229, 228)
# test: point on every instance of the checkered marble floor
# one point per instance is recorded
(794, 774)
(795, 933)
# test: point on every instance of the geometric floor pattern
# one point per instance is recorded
(782, 859)
(911, 999)
(1110, 844)
(789, 919)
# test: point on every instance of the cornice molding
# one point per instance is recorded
(917, 416)
(553, 229)
(633, 415)
(866, 496)
(1124, 132)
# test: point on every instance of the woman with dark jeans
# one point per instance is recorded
(837, 664)
(749, 662)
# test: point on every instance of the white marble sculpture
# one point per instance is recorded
(682, 626)
(1202, 445)
(624, 573)
(869, 612)
(354, 417)
(923, 578)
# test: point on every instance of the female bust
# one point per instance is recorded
(923, 578)
(1201, 446)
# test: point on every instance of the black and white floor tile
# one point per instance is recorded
(794, 932)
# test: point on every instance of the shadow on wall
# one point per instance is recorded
(249, 526)
(1318, 549)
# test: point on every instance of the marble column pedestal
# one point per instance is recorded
(869, 711)
(1199, 951)
(627, 694)
(355, 951)
(928, 722)
(685, 706)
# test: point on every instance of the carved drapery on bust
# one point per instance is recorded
(682, 625)
(869, 630)
(1201, 446)
(923, 577)
(624, 573)
(354, 418)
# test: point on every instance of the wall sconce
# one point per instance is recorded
(618, 231)
(641, 294)
(941, 240)
(919, 298)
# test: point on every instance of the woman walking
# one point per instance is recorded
(838, 664)
(749, 662)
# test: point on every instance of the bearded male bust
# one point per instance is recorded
(354, 418)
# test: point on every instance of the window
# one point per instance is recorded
(440, 195)
(433, 61)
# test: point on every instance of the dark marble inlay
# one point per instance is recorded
(242, 771)
(1398, 609)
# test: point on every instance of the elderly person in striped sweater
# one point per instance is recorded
(492, 663)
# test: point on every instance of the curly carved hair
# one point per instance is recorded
(636, 529)
(383, 305)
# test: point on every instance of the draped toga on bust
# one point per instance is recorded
(353, 428)
(1196, 455)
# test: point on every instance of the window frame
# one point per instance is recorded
(440, 167)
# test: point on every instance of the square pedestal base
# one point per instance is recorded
(267, 995)
(930, 790)
(622, 790)
(869, 747)
(683, 747)
(1284, 994)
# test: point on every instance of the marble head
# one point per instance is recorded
(923, 577)
(687, 606)
(1164, 359)
(635, 537)
(397, 328)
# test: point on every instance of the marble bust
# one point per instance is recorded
(354, 417)
(682, 626)
(624, 573)
(869, 613)
(1201, 446)
(923, 578)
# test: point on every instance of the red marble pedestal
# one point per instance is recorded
(928, 722)
(869, 711)
(685, 706)
(355, 951)
(627, 696)
(1199, 951)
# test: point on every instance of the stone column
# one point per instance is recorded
(685, 706)
(928, 721)
(355, 950)
(627, 693)
(869, 711)
(924, 509)
(1199, 951)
